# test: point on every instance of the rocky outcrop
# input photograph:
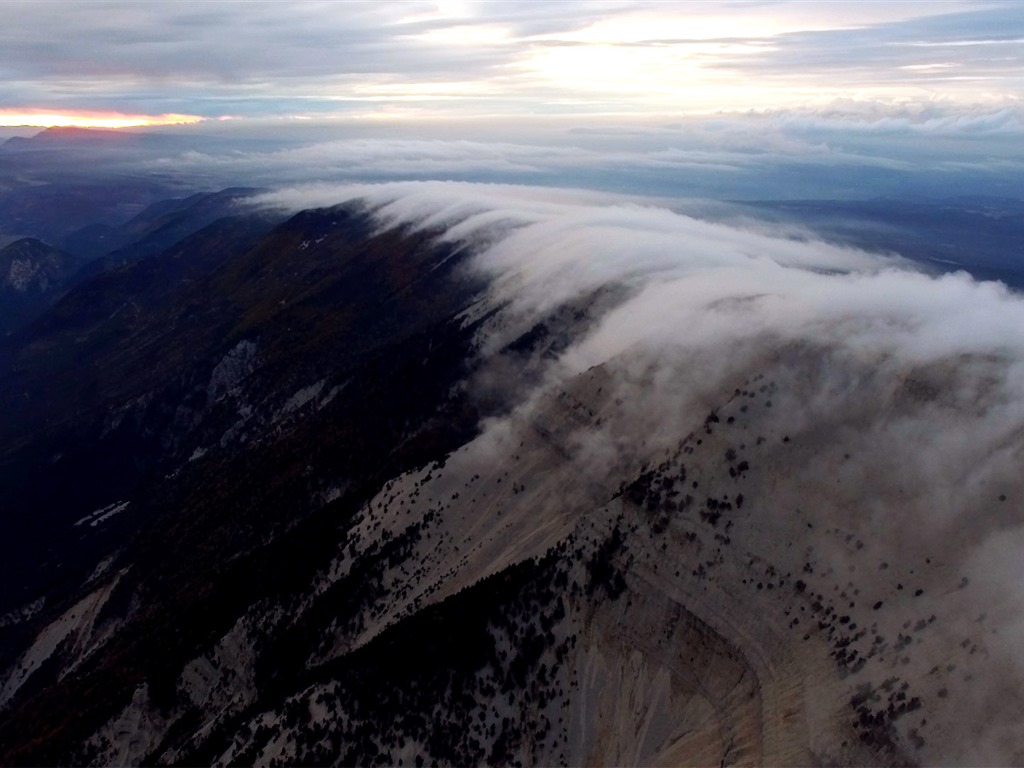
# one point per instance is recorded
(32, 276)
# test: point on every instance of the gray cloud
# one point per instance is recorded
(273, 58)
(198, 53)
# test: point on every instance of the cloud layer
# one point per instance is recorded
(846, 150)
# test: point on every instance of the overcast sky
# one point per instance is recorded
(511, 58)
(736, 99)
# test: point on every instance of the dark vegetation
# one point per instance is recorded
(433, 680)
(209, 538)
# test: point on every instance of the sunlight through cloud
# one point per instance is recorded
(45, 119)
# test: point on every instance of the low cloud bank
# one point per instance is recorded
(879, 149)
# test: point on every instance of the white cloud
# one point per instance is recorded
(921, 379)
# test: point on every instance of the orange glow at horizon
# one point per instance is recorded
(40, 118)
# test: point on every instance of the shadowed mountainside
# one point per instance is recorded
(33, 276)
(338, 494)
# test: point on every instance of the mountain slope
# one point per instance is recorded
(468, 480)
(156, 228)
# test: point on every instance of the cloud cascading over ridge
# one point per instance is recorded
(903, 394)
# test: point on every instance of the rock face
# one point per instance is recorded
(373, 517)
(32, 276)
(31, 266)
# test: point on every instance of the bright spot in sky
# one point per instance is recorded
(77, 119)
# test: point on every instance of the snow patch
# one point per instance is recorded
(299, 399)
(235, 366)
(101, 567)
(103, 514)
(331, 395)
(305, 244)
(77, 620)
(134, 733)
(21, 273)
(26, 612)
(237, 430)
(333, 493)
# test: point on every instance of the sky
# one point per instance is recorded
(181, 61)
(738, 99)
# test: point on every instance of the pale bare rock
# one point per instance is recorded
(75, 633)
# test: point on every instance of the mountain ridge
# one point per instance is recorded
(398, 494)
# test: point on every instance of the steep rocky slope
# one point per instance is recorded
(391, 505)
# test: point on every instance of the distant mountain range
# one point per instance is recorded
(981, 235)
(70, 136)
(37, 274)
(71, 187)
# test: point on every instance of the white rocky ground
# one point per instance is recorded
(804, 616)
(75, 632)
